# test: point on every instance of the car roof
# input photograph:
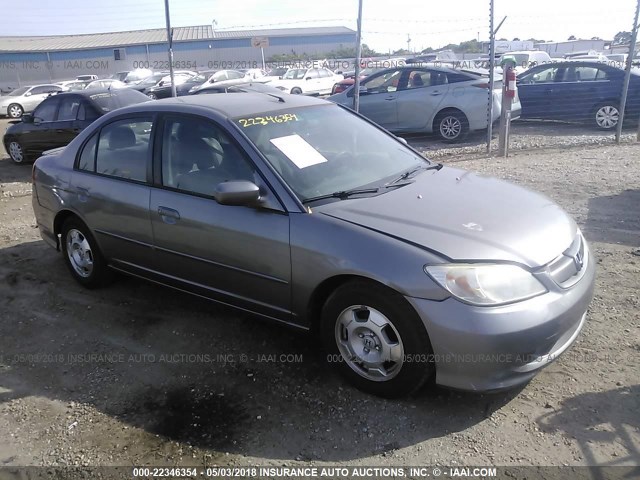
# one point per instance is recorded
(230, 105)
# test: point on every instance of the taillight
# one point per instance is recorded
(481, 85)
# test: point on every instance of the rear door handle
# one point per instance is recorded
(390, 98)
(436, 93)
(169, 215)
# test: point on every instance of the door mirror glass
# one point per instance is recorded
(237, 192)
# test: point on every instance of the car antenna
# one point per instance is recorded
(280, 99)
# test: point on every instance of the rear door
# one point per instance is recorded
(234, 254)
(419, 97)
(111, 188)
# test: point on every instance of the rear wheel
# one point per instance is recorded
(82, 255)
(296, 91)
(15, 111)
(452, 126)
(16, 152)
(152, 96)
(376, 340)
(606, 116)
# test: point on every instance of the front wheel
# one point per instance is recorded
(152, 96)
(82, 255)
(296, 91)
(16, 152)
(376, 340)
(451, 126)
(15, 111)
(606, 116)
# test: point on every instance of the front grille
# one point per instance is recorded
(568, 268)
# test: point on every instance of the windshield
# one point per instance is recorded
(19, 91)
(323, 149)
(113, 99)
(295, 73)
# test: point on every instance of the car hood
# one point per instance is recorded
(465, 216)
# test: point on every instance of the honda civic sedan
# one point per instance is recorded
(301, 211)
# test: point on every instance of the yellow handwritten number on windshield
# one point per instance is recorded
(285, 117)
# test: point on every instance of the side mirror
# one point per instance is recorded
(36, 120)
(308, 78)
(27, 118)
(160, 83)
(28, 94)
(237, 192)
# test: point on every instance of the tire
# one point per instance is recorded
(14, 110)
(296, 91)
(16, 151)
(82, 255)
(365, 321)
(452, 126)
(152, 96)
(606, 116)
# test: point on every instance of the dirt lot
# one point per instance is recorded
(175, 380)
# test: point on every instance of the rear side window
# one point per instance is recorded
(123, 149)
(88, 156)
(459, 77)
(69, 108)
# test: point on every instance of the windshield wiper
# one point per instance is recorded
(409, 173)
(343, 194)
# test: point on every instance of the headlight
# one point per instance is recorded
(486, 284)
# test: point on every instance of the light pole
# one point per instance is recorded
(356, 93)
(170, 40)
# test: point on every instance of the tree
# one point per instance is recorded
(621, 38)
(596, 38)
(516, 39)
(572, 37)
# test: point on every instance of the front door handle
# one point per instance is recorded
(390, 98)
(169, 215)
(436, 93)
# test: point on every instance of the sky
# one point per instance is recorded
(386, 25)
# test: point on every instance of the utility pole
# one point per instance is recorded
(492, 64)
(408, 43)
(627, 77)
(170, 40)
(356, 92)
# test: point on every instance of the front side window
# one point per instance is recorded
(546, 75)
(197, 155)
(46, 111)
(295, 74)
(319, 150)
(123, 149)
(383, 82)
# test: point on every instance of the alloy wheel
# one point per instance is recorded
(450, 127)
(369, 343)
(607, 116)
(79, 253)
(16, 153)
(15, 111)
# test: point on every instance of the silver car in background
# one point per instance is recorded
(428, 99)
(303, 212)
(26, 99)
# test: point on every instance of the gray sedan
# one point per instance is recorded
(26, 99)
(441, 100)
(301, 211)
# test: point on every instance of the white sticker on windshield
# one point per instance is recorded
(301, 153)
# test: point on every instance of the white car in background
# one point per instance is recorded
(107, 83)
(526, 59)
(309, 81)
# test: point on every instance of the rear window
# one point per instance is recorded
(113, 99)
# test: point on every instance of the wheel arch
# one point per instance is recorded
(61, 217)
(444, 111)
(323, 291)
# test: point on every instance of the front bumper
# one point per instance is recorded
(494, 348)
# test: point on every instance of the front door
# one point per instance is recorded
(234, 254)
(378, 98)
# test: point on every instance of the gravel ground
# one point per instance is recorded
(149, 396)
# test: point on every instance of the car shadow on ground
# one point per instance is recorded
(182, 369)
(13, 172)
(610, 425)
(614, 219)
